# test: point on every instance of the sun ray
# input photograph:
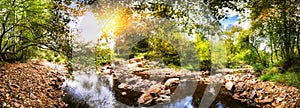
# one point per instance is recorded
(116, 25)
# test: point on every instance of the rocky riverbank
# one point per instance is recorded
(156, 82)
(242, 83)
(32, 84)
(39, 84)
(246, 88)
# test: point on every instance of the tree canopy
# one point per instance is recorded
(28, 25)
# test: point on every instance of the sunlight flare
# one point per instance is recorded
(119, 21)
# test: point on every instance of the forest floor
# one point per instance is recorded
(39, 84)
(32, 84)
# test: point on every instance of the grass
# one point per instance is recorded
(290, 77)
(2, 63)
(258, 67)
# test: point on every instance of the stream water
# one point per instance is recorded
(101, 91)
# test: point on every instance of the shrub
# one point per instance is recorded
(189, 67)
(294, 68)
(103, 56)
(258, 67)
(275, 78)
(69, 66)
(2, 63)
(233, 65)
(205, 65)
(56, 54)
(272, 74)
(171, 65)
(49, 59)
(264, 77)
(57, 59)
(290, 77)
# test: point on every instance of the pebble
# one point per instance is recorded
(4, 104)
(124, 93)
(265, 101)
(229, 85)
(16, 104)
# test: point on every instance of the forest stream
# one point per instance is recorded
(136, 83)
(149, 53)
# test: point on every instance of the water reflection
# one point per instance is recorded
(94, 90)
(97, 91)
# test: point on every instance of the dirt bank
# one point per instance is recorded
(33, 84)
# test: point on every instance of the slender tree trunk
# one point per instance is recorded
(297, 36)
(272, 51)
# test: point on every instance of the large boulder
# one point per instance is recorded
(150, 95)
(107, 71)
(145, 99)
(74, 98)
(157, 93)
(171, 82)
(123, 86)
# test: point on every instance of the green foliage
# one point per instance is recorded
(218, 57)
(294, 68)
(271, 74)
(290, 77)
(258, 67)
(182, 12)
(215, 5)
(57, 59)
(103, 55)
(171, 65)
(2, 63)
(233, 65)
(69, 66)
(204, 53)
(275, 64)
(83, 57)
(169, 30)
(264, 77)
(49, 55)
(152, 48)
(29, 26)
(190, 68)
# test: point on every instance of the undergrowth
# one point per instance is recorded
(290, 77)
